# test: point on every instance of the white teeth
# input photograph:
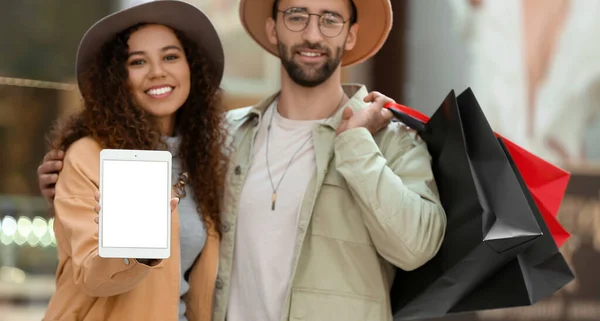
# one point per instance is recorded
(159, 91)
(310, 54)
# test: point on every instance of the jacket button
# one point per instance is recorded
(225, 227)
(219, 283)
(238, 170)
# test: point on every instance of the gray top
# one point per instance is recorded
(192, 233)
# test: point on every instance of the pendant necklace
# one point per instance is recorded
(274, 195)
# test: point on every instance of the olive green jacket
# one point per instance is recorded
(371, 205)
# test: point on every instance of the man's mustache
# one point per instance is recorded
(312, 46)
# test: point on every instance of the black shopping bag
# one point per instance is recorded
(534, 274)
(538, 272)
(490, 219)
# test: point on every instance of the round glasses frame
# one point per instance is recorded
(321, 18)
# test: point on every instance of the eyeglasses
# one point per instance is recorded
(330, 24)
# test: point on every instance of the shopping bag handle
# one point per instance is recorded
(548, 182)
(408, 116)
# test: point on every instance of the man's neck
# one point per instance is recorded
(310, 103)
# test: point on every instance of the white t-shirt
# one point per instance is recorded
(265, 239)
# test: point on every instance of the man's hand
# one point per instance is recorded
(48, 173)
(149, 262)
(374, 117)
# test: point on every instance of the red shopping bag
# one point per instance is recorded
(546, 182)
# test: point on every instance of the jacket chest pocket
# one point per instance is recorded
(310, 305)
(337, 214)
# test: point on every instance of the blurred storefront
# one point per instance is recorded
(27, 243)
(36, 66)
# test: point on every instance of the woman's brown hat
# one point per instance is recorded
(175, 14)
(374, 18)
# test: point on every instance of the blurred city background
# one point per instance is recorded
(533, 64)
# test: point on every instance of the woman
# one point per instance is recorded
(149, 76)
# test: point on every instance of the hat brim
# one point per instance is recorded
(374, 20)
(178, 15)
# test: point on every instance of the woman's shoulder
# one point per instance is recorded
(81, 166)
(85, 150)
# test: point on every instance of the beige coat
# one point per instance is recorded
(91, 288)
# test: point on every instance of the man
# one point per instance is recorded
(321, 202)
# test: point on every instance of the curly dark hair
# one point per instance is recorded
(111, 118)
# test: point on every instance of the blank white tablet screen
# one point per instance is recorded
(135, 204)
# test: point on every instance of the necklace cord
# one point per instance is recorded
(273, 187)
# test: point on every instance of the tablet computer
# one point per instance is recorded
(135, 216)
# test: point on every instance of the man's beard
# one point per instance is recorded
(303, 77)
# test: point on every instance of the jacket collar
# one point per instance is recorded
(356, 92)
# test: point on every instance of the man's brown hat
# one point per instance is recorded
(374, 19)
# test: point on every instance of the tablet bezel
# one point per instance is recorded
(135, 155)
